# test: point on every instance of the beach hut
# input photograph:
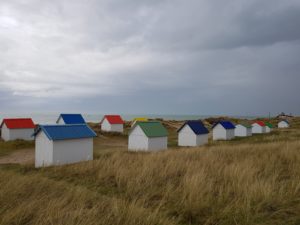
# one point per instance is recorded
(17, 128)
(223, 130)
(243, 130)
(148, 136)
(258, 127)
(112, 123)
(63, 144)
(283, 124)
(269, 127)
(192, 133)
(141, 119)
(70, 119)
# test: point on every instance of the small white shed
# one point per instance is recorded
(63, 144)
(17, 128)
(258, 127)
(148, 136)
(283, 124)
(192, 133)
(269, 127)
(112, 123)
(70, 119)
(223, 130)
(243, 130)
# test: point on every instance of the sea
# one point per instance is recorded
(50, 118)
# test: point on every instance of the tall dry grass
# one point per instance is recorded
(230, 184)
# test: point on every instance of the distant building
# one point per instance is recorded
(148, 136)
(243, 130)
(63, 144)
(269, 127)
(283, 124)
(17, 128)
(258, 127)
(112, 123)
(70, 119)
(223, 130)
(192, 133)
(284, 116)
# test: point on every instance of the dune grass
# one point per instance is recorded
(244, 181)
(9, 146)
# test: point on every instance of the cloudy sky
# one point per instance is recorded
(235, 57)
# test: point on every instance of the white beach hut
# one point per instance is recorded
(223, 130)
(243, 130)
(17, 128)
(148, 136)
(269, 127)
(63, 144)
(192, 133)
(258, 127)
(283, 124)
(112, 123)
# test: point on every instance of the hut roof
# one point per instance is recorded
(196, 126)
(72, 118)
(113, 119)
(152, 129)
(64, 132)
(18, 123)
(226, 124)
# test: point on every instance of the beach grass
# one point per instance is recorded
(255, 180)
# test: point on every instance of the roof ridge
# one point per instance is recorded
(63, 125)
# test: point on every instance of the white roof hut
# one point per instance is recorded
(17, 128)
(63, 144)
(283, 124)
(192, 133)
(223, 130)
(112, 123)
(148, 136)
(243, 130)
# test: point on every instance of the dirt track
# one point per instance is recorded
(25, 156)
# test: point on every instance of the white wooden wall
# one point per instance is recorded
(158, 143)
(5, 133)
(283, 124)
(241, 131)
(187, 137)
(137, 140)
(219, 133)
(73, 150)
(61, 152)
(257, 129)
(43, 150)
(14, 134)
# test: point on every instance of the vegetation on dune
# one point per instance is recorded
(255, 180)
(9, 146)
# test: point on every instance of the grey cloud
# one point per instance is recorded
(192, 57)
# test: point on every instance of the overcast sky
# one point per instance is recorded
(235, 57)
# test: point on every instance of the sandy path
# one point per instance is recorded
(24, 156)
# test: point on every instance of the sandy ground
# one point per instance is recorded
(24, 156)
